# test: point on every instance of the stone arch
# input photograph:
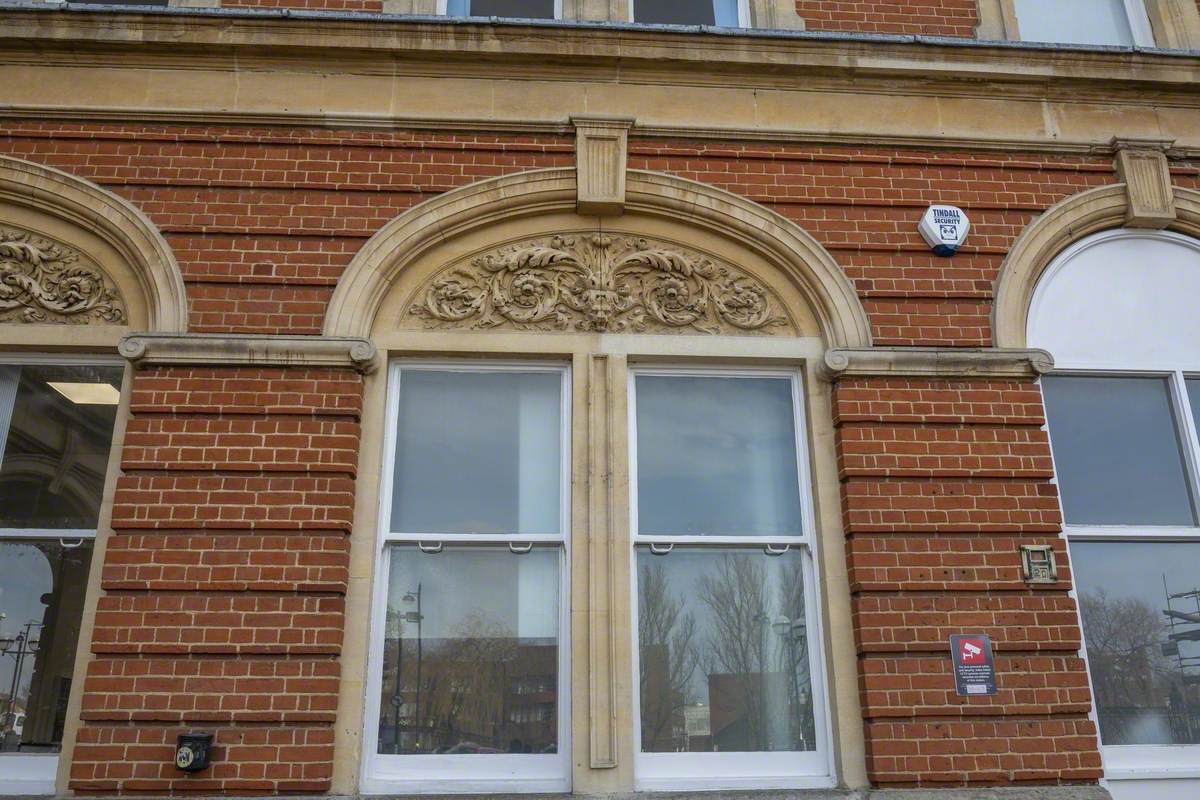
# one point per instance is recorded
(1068, 221)
(51, 208)
(793, 255)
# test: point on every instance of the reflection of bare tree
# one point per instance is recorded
(668, 657)
(1123, 639)
(735, 595)
(462, 698)
(1131, 678)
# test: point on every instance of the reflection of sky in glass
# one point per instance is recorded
(1123, 588)
(1074, 21)
(723, 633)
(716, 455)
(24, 577)
(477, 592)
(1116, 451)
(478, 452)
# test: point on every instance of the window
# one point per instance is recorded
(725, 13)
(469, 654)
(1101, 22)
(1122, 412)
(522, 9)
(729, 672)
(56, 426)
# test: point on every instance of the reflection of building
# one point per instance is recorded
(475, 695)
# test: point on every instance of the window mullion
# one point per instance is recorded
(1191, 440)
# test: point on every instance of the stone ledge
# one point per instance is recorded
(153, 349)
(935, 362)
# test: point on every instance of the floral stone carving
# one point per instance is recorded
(42, 281)
(599, 283)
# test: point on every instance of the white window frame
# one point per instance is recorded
(442, 6)
(743, 13)
(737, 770)
(476, 773)
(35, 773)
(1135, 14)
(1134, 762)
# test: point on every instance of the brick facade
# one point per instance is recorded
(238, 484)
(225, 580)
(224, 584)
(942, 481)
(925, 17)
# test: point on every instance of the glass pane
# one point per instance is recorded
(723, 651)
(41, 606)
(1074, 21)
(1116, 451)
(525, 9)
(674, 12)
(478, 452)
(470, 653)
(716, 456)
(1140, 604)
(57, 431)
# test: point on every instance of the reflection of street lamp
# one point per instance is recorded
(24, 646)
(417, 617)
(793, 632)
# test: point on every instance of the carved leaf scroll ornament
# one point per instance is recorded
(41, 281)
(599, 283)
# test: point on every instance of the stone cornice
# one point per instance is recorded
(935, 362)
(727, 56)
(214, 350)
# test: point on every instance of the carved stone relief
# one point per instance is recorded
(46, 282)
(604, 283)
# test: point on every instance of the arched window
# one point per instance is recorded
(597, 483)
(1118, 311)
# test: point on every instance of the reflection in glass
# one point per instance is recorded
(41, 600)
(1074, 21)
(55, 450)
(1140, 604)
(716, 455)
(470, 652)
(723, 652)
(478, 452)
(674, 12)
(524, 9)
(1117, 451)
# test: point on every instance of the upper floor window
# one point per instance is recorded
(1103, 22)
(725, 13)
(521, 9)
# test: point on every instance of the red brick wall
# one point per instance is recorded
(262, 220)
(864, 207)
(224, 584)
(942, 481)
(232, 515)
(928, 17)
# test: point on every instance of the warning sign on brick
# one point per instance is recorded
(974, 668)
